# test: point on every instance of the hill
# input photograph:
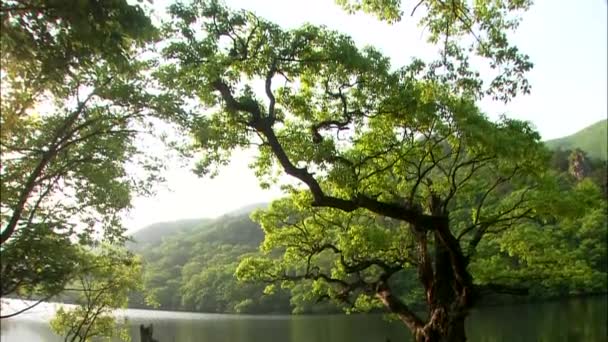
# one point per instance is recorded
(154, 233)
(193, 269)
(592, 139)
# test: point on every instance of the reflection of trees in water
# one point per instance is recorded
(582, 319)
(565, 320)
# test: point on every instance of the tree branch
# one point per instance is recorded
(264, 126)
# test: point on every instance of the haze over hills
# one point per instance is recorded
(246, 209)
(592, 139)
(154, 233)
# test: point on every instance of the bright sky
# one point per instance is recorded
(566, 40)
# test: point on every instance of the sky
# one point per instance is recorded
(566, 40)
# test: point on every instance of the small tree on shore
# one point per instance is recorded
(103, 286)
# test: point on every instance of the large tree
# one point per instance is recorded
(73, 119)
(400, 167)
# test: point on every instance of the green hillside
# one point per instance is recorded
(154, 233)
(193, 269)
(592, 139)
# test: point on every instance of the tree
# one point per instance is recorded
(405, 147)
(43, 40)
(64, 174)
(104, 284)
(72, 113)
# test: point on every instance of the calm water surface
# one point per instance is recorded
(569, 320)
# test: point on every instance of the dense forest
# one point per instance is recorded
(191, 264)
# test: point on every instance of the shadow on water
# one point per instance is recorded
(581, 319)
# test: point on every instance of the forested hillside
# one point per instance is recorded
(193, 268)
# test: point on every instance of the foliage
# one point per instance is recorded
(73, 115)
(104, 284)
(37, 261)
(193, 269)
(462, 27)
(43, 40)
(562, 257)
(401, 170)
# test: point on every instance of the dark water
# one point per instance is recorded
(582, 319)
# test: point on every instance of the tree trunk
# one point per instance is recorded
(445, 322)
(447, 285)
(442, 271)
(442, 327)
(446, 299)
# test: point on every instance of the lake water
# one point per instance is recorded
(582, 319)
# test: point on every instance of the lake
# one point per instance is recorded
(580, 319)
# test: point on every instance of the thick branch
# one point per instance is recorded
(395, 305)
(268, 88)
(31, 181)
(320, 199)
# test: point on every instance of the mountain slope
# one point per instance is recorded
(154, 233)
(193, 269)
(592, 139)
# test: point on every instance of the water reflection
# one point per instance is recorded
(571, 320)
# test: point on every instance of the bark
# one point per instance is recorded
(445, 323)
(447, 307)
(447, 283)
(395, 305)
(443, 327)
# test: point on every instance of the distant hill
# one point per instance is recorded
(246, 209)
(154, 233)
(193, 269)
(230, 229)
(592, 139)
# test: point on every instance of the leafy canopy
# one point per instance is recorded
(43, 40)
(335, 116)
(74, 112)
(402, 170)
